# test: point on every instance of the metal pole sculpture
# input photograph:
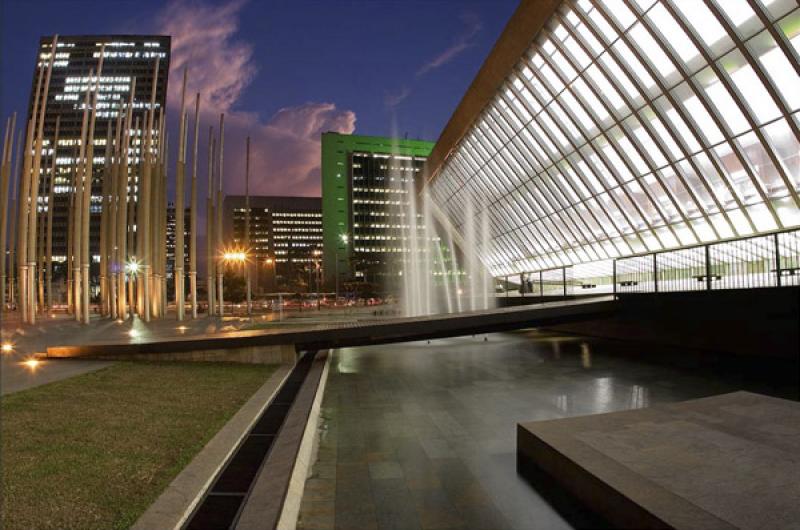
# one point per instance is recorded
(155, 225)
(161, 234)
(210, 254)
(87, 193)
(220, 269)
(145, 197)
(34, 189)
(50, 199)
(193, 213)
(122, 210)
(40, 248)
(105, 204)
(180, 172)
(247, 224)
(73, 186)
(112, 262)
(24, 205)
(80, 184)
(134, 181)
(5, 173)
(12, 242)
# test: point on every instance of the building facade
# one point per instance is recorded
(285, 240)
(365, 185)
(599, 130)
(128, 59)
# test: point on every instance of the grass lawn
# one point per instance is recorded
(96, 450)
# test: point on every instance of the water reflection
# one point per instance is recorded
(586, 355)
(639, 397)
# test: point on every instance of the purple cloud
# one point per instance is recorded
(462, 42)
(285, 149)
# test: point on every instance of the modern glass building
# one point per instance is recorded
(602, 129)
(364, 202)
(127, 59)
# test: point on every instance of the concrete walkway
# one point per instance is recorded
(27, 340)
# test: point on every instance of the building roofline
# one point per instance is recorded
(518, 35)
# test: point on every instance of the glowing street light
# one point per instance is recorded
(7, 347)
(31, 364)
(132, 267)
(237, 256)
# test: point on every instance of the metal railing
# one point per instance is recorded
(765, 260)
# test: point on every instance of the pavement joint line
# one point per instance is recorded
(171, 509)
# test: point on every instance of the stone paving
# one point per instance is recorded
(422, 435)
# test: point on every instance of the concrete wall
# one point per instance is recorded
(755, 322)
(275, 354)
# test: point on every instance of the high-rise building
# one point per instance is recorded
(365, 186)
(285, 239)
(127, 58)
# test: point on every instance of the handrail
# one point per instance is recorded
(768, 259)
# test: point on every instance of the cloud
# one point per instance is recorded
(203, 39)
(285, 149)
(393, 99)
(462, 42)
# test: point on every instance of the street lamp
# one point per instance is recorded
(316, 253)
(239, 256)
(344, 238)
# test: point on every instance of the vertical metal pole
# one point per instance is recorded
(541, 283)
(708, 267)
(564, 279)
(218, 212)
(655, 272)
(614, 277)
(778, 260)
(247, 225)
(180, 172)
(193, 213)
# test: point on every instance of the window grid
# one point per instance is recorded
(608, 139)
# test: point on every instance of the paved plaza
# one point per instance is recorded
(28, 340)
(422, 435)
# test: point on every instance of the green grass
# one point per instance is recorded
(96, 450)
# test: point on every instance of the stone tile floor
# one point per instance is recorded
(423, 435)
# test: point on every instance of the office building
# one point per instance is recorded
(127, 58)
(365, 186)
(285, 240)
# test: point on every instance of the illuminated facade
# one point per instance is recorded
(126, 58)
(364, 200)
(285, 238)
(618, 128)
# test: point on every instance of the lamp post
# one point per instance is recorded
(316, 255)
(236, 257)
(344, 238)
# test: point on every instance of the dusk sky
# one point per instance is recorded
(285, 71)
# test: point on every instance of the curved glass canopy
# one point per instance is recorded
(634, 126)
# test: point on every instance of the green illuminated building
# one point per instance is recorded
(362, 203)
